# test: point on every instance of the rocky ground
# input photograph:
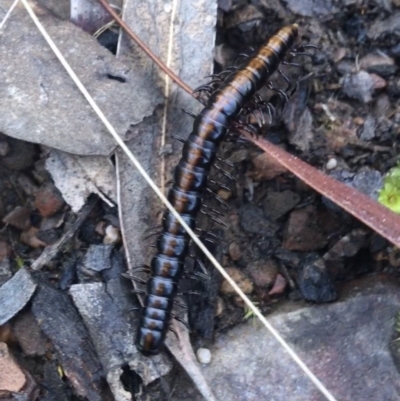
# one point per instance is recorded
(328, 283)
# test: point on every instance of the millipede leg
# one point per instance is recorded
(223, 74)
(228, 163)
(179, 319)
(203, 88)
(189, 293)
(136, 269)
(291, 64)
(211, 217)
(240, 56)
(213, 76)
(225, 173)
(259, 116)
(236, 138)
(217, 198)
(201, 264)
(288, 81)
(180, 304)
(202, 276)
(208, 234)
(213, 210)
(309, 46)
(304, 54)
(220, 185)
(262, 108)
(138, 280)
(280, 92)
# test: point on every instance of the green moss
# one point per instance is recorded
(389, 195)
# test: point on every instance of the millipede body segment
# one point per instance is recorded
(190, 179)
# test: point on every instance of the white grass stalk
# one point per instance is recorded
(8, 13)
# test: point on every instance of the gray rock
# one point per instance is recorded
(15, 294)
(359, 86)
(253, 220)
(368, 182)
(29, 336)
(346, 344)
(368, 131)
(314, 280)
(97, 257)
(303, 231)
(106, 313)
(61, 323)
(276, 204)
(311, 8)
(90, 15)
(387, 26)
(40, 103)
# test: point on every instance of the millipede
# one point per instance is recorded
(190, 177)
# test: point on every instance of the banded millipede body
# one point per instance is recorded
(190, 179)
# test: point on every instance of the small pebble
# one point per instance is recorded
(12, 378)
(266, 167)
(379, 82)
(359, 120)
(112, 236)
(240, 279)
(48, 200)
(19, 218)
(30, 238)
(220, 306)
(204, 355)
(303, 231)
(339, 54)
(331, 164)
(101, 228)
(237, 301)
(224, 194)
(6, 335)
(276, 204)
(359, 86)
(29, 335)
(279, 286)
(234, 251)
(263, 272)
(167, 7)
(27, 184)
